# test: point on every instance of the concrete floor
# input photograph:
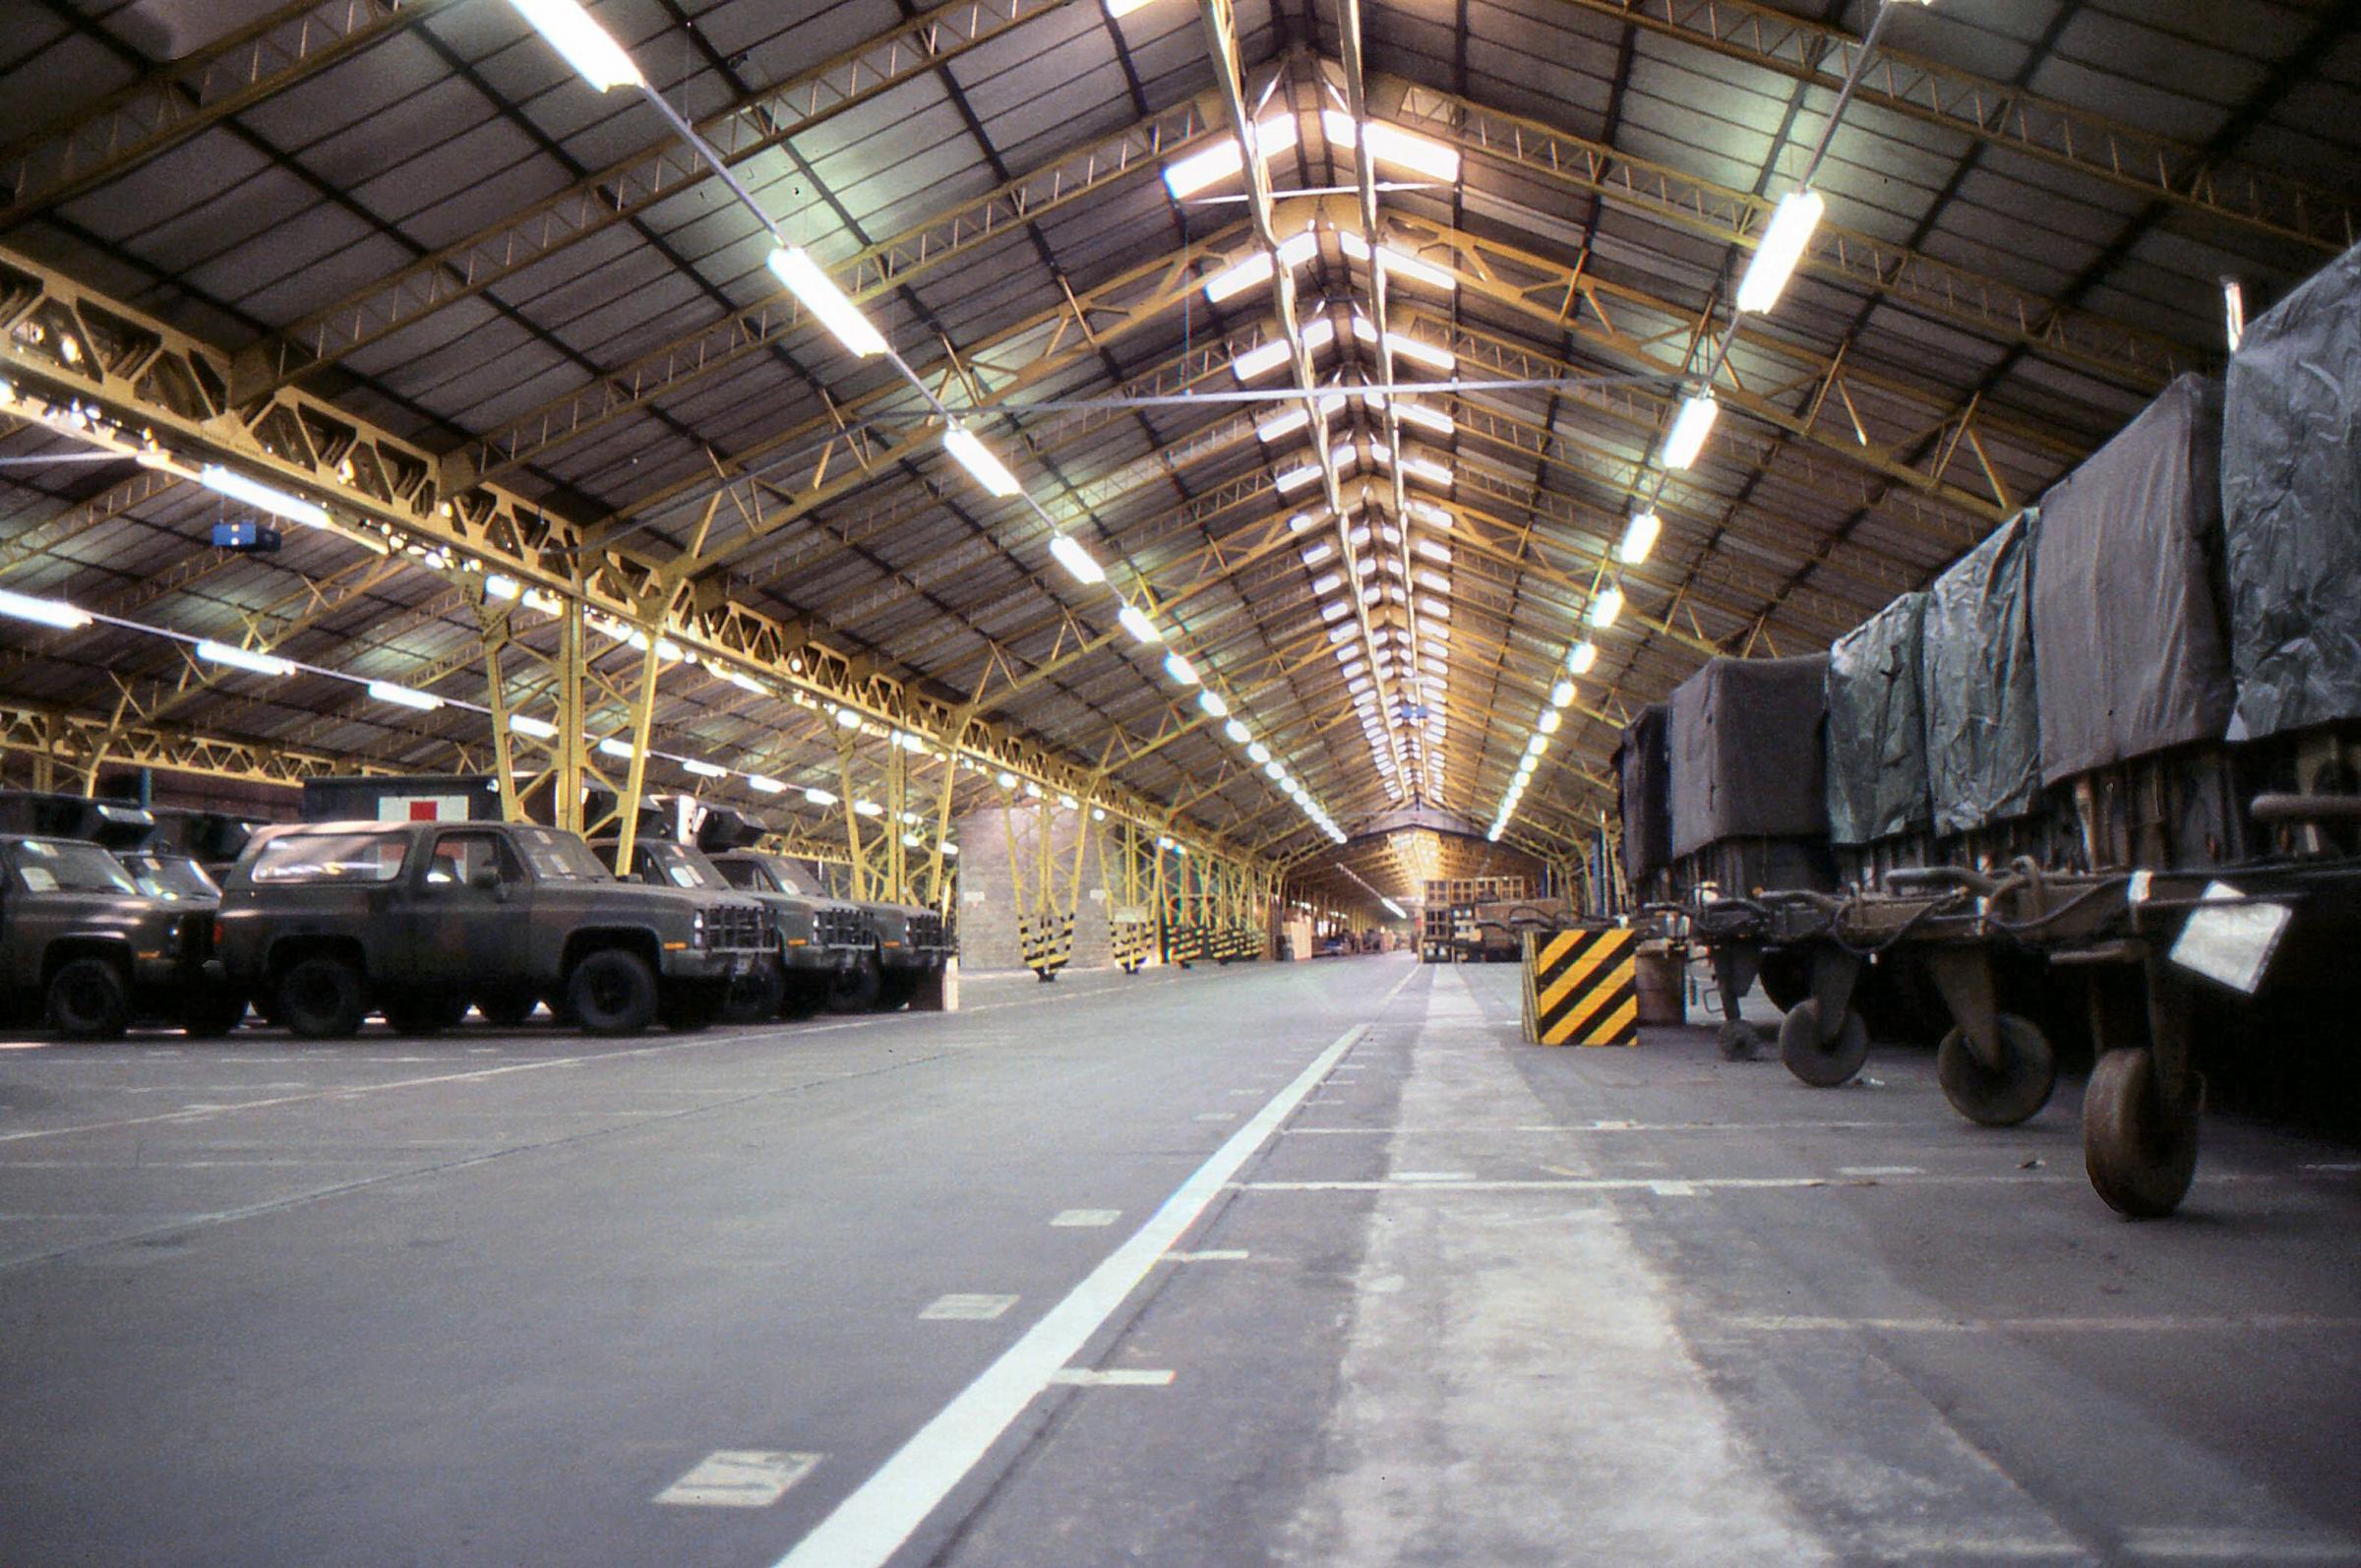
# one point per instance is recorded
(1187, 1269)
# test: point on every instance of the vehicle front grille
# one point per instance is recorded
(736, 928)
(840, 927)
(926, 930)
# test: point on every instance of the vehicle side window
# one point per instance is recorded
(459, 858)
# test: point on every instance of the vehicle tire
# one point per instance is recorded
(321, 998)
(806, 995)
(1740, 1040)
(898, 986)
(2028, 1070)
(612, 991)
(686, 1008)
(856, 988)
(758, 995)
(1822, 1063)
(426, 1013)
(2140, 1156)
(505, 1010)
(89, 1001)
(211, 1011)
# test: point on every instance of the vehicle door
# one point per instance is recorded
(469, 919)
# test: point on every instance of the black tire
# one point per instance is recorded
(87, 1000)
(427, 1012)
(2140, 1158)
(686, 1008)
(857, 989)
(321, 998)
(1740, 1040)
(209, 1012)
(899, 986)
(758, 995)
(1822, 1063)
(806, 995)
(505, 1010)
(2028, 1070)
(611, 992)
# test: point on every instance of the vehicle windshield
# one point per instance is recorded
(794, 878)
(682, 867)
(169, 876)
(750, 874)
(331, 858)
(62, 866)
(559, 857)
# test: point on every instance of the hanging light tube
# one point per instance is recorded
(584, 44)
(43, 612)
(1079, 562)
(238, 658)
(977, 459)
(1605, 605)
(237, 487)
(809, 282)
(1690, 426)
(1639, 538)
(404, 696)
(538, 729)
(1135, 621)
(1791, 225)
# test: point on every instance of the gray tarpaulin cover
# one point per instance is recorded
(1877, 727)
(1745, 750)
(1983, 732)
(1647, 809)
(2291, 507)
(2127, 610)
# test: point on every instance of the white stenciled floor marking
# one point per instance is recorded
(1216, 1255)
(1087, 1217)
(966, 1308)
(870, 1525)
(1112, 1377)
(739, 1477)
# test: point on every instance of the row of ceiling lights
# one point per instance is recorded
(604, 64)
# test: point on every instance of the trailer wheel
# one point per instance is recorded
(1740, 1040)
(2142, 1154)
(1822, 1063)
(87, 1000)
(2028, 1070)
(319, 998)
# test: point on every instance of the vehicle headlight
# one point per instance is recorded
(696, 927)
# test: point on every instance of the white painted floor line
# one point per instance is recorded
(739, 1477)
(1112, 1377)
(2238, 1543)
(870, 1525)
(1214, 1255)
(1643, 1183)
(1594, 1126)
(1083, 1218)
(1434, 1175)
(966, 1308)
(1217, 1115)
(1880, 1170)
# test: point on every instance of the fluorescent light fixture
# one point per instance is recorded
(743, 680)
(1341, 631)
(1536, 746)
(1606, 606)
(1640, 537)
(1420, 352)
(977, 459)
(1237, 733)
(1430, 580)
(1300, 522)
(1328, 582)
(496, 586)
(1313, 554)
(1434, 473)
(1434, 607)
(703, 770)
(1186, 176)
(404, 696)
(1077, 560)
(1690, 426)
(1258, 753)
(1389, 144)
(611, 747)
(1135, 621)
(1550, 720)
(538, 729)
(1116, 9)
(1274, 770)
(595, 57)
(1791, 225)
(237, 487)
(1335, 609)
(1561, 695)
(1581, 657)
(1425, 418)
(1297, 478)
(808, 282)
(1258, 360)
(43, 612)
(243, 659)
(846, 718)
(764, 785)
(1006, 780)
(1213, 703)
(1281, 426)
(868, 809)
(1180, 670)
(1238, 277)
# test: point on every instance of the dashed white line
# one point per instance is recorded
(1084, 1218)
(739, 1477)
(1112, 1377)
(973, 1308)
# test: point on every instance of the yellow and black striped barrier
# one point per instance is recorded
(1184, 943)
(1130, 942)
(1582, 988)
(1048, 943)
